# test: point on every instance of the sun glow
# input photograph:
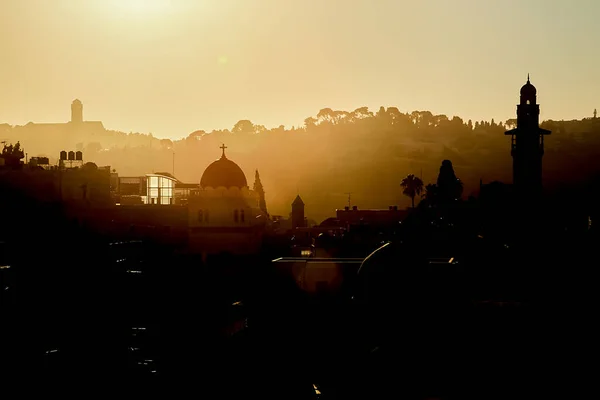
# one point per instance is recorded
(141, 7)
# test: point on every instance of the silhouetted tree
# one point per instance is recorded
(310, 123)
(196, 135)
(258, 188)
(326, 115)
(166, 143)
(430, 195)
(243, 126)
(413, 186)
(450, 188)
(259, 129)
(12, 155)
(511, 123)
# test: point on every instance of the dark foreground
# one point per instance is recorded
(495, 325)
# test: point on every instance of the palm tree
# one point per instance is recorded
(413, 186)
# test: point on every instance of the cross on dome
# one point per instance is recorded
(223, 173)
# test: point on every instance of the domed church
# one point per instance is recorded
(225, 215)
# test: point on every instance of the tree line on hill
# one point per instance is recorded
(361, 152)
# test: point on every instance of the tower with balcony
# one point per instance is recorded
(527, 146)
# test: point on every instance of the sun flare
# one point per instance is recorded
(141, 7)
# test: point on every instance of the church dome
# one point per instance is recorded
(223, 172)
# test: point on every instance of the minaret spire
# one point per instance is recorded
(527, 146)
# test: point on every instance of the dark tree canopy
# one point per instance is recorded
(449, 187)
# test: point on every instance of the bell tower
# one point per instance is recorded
(527, 145)
(76, 111)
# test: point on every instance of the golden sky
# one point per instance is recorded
(174, 66)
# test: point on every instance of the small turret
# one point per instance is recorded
(297, 213)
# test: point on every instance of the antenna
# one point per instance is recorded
(349, 194)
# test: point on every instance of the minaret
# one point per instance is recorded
(527, 148)
(595, 113)
(297, 213)
(76, 111)
(258, 188)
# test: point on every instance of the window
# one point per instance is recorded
(242, 216)
(200, 215)
(159, 189)
(165, 190)
(528, 102)
(153, 189)
(206, 216)
(235, 215)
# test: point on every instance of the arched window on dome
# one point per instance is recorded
(200, 215)
(528, 102)
(206, 216)
(242, 216)
(235, 215)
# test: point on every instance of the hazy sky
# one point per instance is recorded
(174, 66)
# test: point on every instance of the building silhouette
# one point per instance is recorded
(225, 214)
(379, 218)
(527, 147)
(51, 138)
(298, 213)
(76, 111)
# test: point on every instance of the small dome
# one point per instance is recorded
(528, 89)
(223, 172)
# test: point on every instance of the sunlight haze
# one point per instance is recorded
(173, 67)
